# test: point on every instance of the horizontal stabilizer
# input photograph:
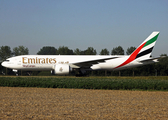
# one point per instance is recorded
(152, 59)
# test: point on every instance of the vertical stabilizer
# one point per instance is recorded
(143, 51)
(147, 46)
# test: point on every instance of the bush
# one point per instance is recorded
(111, 83)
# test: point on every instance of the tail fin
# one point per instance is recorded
(145, 49)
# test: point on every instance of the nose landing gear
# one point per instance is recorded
(16, 72)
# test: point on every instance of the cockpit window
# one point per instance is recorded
(6, 60)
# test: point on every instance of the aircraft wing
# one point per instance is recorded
(88, 64)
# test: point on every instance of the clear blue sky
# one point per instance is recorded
(83, 23)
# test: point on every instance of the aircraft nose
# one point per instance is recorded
(3, 64)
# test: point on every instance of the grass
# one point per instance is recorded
(111, 83)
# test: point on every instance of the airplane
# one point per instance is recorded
(64, 64)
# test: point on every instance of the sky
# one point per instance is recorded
(83, 23)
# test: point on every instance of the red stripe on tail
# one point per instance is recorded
(132, 56)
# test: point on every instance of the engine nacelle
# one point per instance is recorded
(61, 69)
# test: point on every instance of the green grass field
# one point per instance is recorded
(111, 83)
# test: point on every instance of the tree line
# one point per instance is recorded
(160, 68)
(6, 52)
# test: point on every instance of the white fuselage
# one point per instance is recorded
(47, 62)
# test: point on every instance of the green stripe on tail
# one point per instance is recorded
(151, 40)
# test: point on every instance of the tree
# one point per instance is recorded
(162, 65)
(5, 52)
(21, 50)
(163, 55)
(130, 50)
(64, 51)
(77, 51)
(104, 52)
(90, 51)
(47, 50)
(117, 51)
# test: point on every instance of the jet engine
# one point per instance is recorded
(61, 69)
